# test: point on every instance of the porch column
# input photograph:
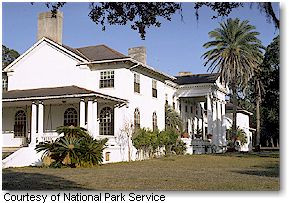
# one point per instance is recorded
(82, 113)
(190, 130)
(89, 116)
(94, 119)
(209, 115)
(219, 122)
(33, 123)
(223, 112)
(214, 123)
(40, 121)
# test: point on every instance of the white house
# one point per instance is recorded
(243, 119)
(102, 90)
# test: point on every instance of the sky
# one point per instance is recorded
(175, 46)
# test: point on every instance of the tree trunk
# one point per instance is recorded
(257, 146)
(258, 121)
(234, 101)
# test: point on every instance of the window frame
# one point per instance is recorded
(106, 79)
(4, 82)
(136, 118)
(106, 121)
(136, 83)
(20, 121)
(155, 121)
(70, 117)
(154, 89)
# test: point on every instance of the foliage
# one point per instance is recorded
(223, 9)
(179, 148)
(235, 53)
(240, 135)
(270, 103)
(142, 15)
(150, 142)
(268, 77)
(8, 56)
(73, 131)
(75, 148)
(173, 120)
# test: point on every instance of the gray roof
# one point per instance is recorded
(97, 53)
(229, 108)
(197, 78)
(46, 93)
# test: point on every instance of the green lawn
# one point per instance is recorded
(190, 172)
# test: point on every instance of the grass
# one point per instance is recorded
(226, 172)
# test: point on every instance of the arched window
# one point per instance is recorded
(155, 121)
(136, 119)
(106, 124)
(20, 124)
(70, 117)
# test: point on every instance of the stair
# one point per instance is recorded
(25, 156)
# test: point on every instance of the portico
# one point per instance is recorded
(45, 109)
(202, 107)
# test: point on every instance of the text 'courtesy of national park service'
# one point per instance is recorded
(81, 197)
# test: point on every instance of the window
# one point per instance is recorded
(70, 117)
(136, 83)
(20, 124)
(191, 109)
(106, 79)
(155, 121)
(136, 119)
(106, 122)
(154, 89)
(107, 156)
(186, 108)
(4, 82)
(166, 96)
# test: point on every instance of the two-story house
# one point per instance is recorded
(102, 90)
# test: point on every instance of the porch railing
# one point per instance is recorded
(50, 136)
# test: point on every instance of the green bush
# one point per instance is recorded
(76, 148)
(179, 148)
(149, 142)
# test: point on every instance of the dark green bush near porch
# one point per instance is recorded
(76, 148)
(151, 142)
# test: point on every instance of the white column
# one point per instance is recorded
(219, 122)
(214, 123)
(223, 120)
(209, 114)
(40, 121)
(82, 113)
(94, 119)
(89, 116)
(190, 130)
(33, 123)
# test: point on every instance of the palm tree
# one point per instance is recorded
(173, 119)
(235, 53)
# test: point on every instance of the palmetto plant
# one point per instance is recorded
(73, 131)
(173, 119)
(75, 148)
(235, 53)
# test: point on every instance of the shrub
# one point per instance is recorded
(179, 148)
(149, 142)
(75, 148)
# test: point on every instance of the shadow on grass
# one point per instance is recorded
(271, 170)
(12, 180)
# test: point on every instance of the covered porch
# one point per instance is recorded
(32, 116)
(202, 108)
